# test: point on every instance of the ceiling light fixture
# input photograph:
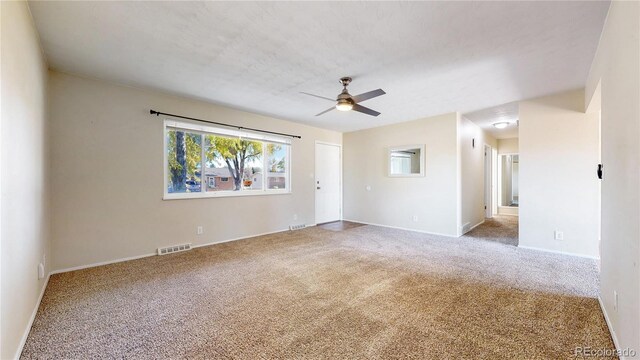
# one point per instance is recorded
(344, 105)
(501, 125)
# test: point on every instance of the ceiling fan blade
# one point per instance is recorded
(367, 95)
(326, 111)
(365, 110)
(318, 96)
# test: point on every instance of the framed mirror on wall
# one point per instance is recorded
(406, 161)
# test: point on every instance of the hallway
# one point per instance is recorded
(500, 228)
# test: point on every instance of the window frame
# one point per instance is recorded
(212, 130)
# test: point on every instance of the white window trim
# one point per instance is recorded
(225, 132)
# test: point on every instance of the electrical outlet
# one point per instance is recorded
(200, 230)
(415, 218)
(615, 300)
(558, 235)
(295, 216)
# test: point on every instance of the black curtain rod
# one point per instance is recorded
(158, 113)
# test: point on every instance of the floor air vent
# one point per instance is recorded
(173, 249)
(297, 227)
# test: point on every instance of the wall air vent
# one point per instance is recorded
(173, 249)
(297, 227)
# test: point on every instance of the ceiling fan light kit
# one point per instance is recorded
(346, 102)
(344, 105)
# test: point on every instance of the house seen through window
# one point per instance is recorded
(219, 162)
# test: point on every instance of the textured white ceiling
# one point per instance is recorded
(485, 118)
(430, 57)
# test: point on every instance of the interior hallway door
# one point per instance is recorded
(328, 182)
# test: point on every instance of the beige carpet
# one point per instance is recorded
(340, 225)
(500, 228)
(365, 292)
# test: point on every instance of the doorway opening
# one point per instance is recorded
(508, 174)
(501, 164)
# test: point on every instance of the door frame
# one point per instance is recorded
(315, 177)
(494, 181)
(488, 182)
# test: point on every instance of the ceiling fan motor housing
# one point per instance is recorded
(345, 81)
(344, 96)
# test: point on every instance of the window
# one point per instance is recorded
(202, 161)
(184, 157)
(276, 166)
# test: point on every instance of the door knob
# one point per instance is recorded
(318, 187)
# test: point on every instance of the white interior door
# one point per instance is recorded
(328, 183)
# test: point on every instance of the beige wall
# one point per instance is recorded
(107, 160)
(394, 201)
(508, 146)
(472, 173)
(616, 67)
(24, 175)
(490, 140)
(558, 187)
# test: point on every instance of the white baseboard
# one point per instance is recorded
(473, 227)
(613, 333)
(558, 252)
(242, 238)
(23, 340)
(80, 267)
(478, 224)
(508, 211)
(399, 228)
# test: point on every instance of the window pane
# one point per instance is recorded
(276, 158)
(277, 166)
(184, 155)
(232, 164)
(276, 182)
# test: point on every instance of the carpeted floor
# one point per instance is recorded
(340, 225)
(500, 228)
(365, 292)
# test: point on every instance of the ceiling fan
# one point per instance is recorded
(346, 102)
